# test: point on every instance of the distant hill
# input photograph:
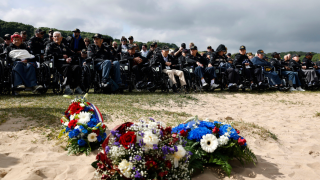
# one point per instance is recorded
(12, 27)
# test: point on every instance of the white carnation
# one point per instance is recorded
(223, 140)
(72, 117)
(209, 143)
(66, 123)
(92, 137)
(178, 155)
(125, 168)
(82, 105)
(150, 139)
(84, 117)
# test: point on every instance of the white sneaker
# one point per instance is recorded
(292, 89)
(300, 89)
(204, 84)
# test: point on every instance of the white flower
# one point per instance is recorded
(72, 117)
(84, 117)
(82, 105)
(209, 143)
(152, 125)
(66, 123)
(92, 137)
(178, 155)
(116, 151)
(223, 140)
(150, 139)
(125, 168)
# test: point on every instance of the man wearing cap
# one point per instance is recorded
(66, 63)
(130, 39)
(274, 79)
(308, 69)
(24, 72)
(140, 66)
(36, 43)
(201, 70)
(218, 58)
(124, 45)
(76, 43)
(241, 59)
(286, 71)
(169, 67)
(178, 51)
(103, 61)
(49, 39)
(229, 55)
(7, 42)
(153, 49)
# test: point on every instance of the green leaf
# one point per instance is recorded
(61, 133)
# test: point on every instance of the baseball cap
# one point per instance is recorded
(260, 51)
(194, 48)
(309, 54)
(39, 31)
(165, 48)
(76, 30)
(274, 53)
(130, 37)
(97, 36)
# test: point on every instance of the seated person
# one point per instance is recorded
(219, 57)
(308, 69)
(124, 45)
(104, 61)
(274, 79)
(251, 73)
(66, 64)
(169, 66)
(24, 72)
(201, 69)
(318, 69)
(139, 66)
(286, 71)
(7, 42)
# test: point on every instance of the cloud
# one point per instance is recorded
(269, 25)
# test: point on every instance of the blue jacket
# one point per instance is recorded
(260, 62)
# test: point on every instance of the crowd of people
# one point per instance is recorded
(71, 53)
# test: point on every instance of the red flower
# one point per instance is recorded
(162, 174)
(183, 133)
(75, 108)
(101, 166)
(127, 139)
(61, 121)
(238, 131)
(103, 126)
(101, 157)
(72, 124)
(241, 142)
(168, 164)
(215, 130)
(96, 131)
(123, 127)
(151, 164)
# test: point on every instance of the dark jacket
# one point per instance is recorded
(99, 54)
(238, 59)
(11, 47)
(277, 63)
(36, 45)
(158, 59)
(119, 50)
(127, 56)
(53, 49)
(295, 66)
(260, 62)
(81, 44)
(307, 62)
(216, 59)
(192, 60)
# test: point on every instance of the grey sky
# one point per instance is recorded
(273, 25)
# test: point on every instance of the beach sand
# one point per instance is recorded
(28, 155)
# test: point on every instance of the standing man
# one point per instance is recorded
(76, 43)
(144, 51)
(36, 43)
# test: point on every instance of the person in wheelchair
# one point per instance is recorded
(170, 67)
(7, 42)
(229, 69)
(287, 71)
(243, 60)
(104, 61)
(24, 72)
(140, 67)
(274, 79)
(202, 69)
(308, 69)
(66, 64)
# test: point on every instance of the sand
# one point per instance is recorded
(27, 155)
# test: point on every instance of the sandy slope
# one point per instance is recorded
(26, 155)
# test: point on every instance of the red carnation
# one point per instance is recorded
(76, 108)
(151, 164)
(72, 124)
(127, 139)
(61, 121)
(103, 126)
(96, 131)
(238, 131)
(215, 130)
(168, 164)
(162, 174)
(183, 133)
(241, 142)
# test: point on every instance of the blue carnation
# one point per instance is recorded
(196, 134)
(104, 135)
(178, 128)
(94, 120)
(99, 138)
(232, 132)
(76, 132)
(91, 124)
(206, 124)
(84, 131)
(71, 134)
(82, 142)
(67, 129)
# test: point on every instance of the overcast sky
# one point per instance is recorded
(273, 25)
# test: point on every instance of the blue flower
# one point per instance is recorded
(94, 120)
(82, 142)
(84, 131)
(67, 129)
(99, 138)
(232, 132)
(91, 124)
(206, 124)
(189, 125)
(71, 134)
(104, 135)
(76, 132)
(178, 128)
(196, 134)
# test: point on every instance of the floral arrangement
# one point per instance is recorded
(143, 150)
(213, 142)
(82, 125)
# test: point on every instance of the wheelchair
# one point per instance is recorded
(5, 77)
(246, 83)
(193, 82)
(221, 78)
(55, 78)
(127, 75)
